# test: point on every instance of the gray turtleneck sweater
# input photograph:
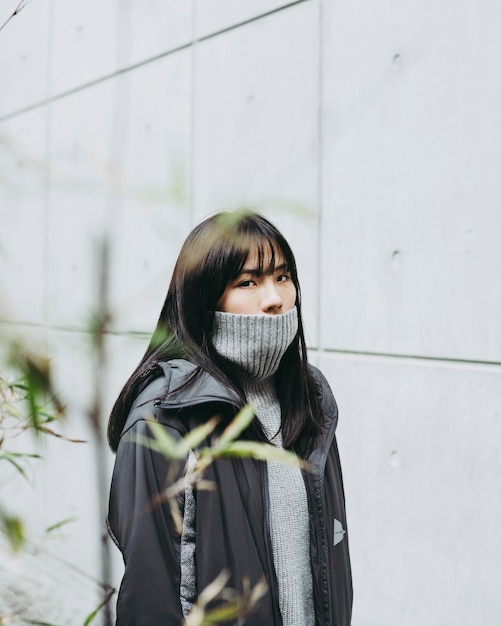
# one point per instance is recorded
(256, 344)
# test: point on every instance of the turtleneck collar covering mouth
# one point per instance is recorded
(256, 343)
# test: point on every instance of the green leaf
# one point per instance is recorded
(229, 611)
(261, 451)
(162, 442)
(19, 384)
(196, 436)
(18, 467)
(11, 409)
(237, 425)
(19, 455)
(14, 530)
(213, 589)
(58, 525)
(36, 382)
(91, 616)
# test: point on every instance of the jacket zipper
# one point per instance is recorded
(322, 614)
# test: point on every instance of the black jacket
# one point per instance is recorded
(231, 520)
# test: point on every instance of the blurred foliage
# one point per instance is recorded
(226, 445)
(28, 403)
(30, 397)
(14, 530)
(105, 603)
(230, 605)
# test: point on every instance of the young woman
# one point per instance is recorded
(230, 333)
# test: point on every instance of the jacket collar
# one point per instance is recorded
(204, 388)
(189, 385)
(186, 385)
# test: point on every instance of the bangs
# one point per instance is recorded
(256, 240)
(262, 254)
(217, 251)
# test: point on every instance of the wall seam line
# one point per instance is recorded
(413, 357)
(139, 334)
(158, 57)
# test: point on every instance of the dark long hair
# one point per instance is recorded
(212, 256)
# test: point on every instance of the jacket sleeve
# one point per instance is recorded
(142, 526)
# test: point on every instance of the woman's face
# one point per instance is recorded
(252, 293)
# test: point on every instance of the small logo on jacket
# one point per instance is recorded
(339, 532)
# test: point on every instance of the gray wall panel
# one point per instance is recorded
(151, 212)
(152, 27)
(23, 172)
(215, 15)
(421, 461)
(24, 55)
(81, 192)
(85, 42)
(256, 129)
(411, 146)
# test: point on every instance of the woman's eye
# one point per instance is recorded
(283, 278)
(246, 283)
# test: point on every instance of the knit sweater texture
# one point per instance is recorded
(256, 344)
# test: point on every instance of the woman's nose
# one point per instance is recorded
(271, 301)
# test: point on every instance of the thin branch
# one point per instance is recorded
(100, 325)
(17, 10)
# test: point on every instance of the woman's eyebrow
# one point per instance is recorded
(256, 272)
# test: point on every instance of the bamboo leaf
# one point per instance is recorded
(11, 409)
(58, 525)
(229, 611)
(233, 606)
(260, 451)
(90, 618)
(206, 485)
(176, 515)
(152, 444)
(237, 425)
(36, 381)
(258, 592)
(214, 588)
(19, 455)
(19, 384)
(18, 467)
(165, 443)
(49, 431)
(196, 436)
(196, 616)
(13, 528)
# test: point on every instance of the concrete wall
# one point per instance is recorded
(369, 132)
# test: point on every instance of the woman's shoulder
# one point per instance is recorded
(189, 384)
(175, 385)
(326, 397)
